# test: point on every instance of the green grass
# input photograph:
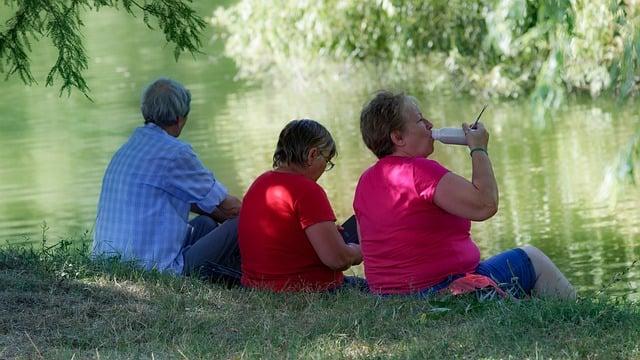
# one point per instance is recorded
(56, 303)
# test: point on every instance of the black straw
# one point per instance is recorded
(475, 124)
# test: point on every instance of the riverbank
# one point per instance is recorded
(55, 303)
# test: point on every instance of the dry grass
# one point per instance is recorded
(59, 304)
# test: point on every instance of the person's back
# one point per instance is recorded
(287, 232)
(414, 215)
(152, 183)
(409, 243)
(133, 193)
(276, 254)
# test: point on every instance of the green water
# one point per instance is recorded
(551, 175)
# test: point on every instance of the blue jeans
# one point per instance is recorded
(511, 270)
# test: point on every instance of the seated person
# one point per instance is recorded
(414, 216)
(287, 233)
(149, 187)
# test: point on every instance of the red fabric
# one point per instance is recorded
(472, 282)
(276, 253)
(408, 242)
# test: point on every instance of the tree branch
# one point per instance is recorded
(62, 24)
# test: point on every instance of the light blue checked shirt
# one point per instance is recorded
(147, 192)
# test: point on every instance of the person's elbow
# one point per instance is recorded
(339, 262)
(342, 260)
(485, 211)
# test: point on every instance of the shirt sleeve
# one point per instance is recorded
(314, 207)
(188, 180)
(426, 176)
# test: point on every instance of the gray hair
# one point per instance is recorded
(163, 101)
(297, 138)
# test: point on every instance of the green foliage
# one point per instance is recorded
(501, 48)
(61, 22)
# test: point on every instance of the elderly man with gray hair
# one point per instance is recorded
(152, 183)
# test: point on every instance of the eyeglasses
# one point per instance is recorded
(329, 165)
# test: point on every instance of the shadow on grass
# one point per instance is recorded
(55, 300)
(57, 303)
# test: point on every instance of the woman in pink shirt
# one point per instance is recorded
(414, 215)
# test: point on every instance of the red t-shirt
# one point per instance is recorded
(276, 253)
(408, 242)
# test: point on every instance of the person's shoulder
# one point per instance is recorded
(424, 168)
(178, 144)
(426, 163)
(177, 149)
(297, 186)
(300, 185)
(301, 180)
(183, 148)
(370, 170)
(267, 178)
(372, 174)
(370, 177)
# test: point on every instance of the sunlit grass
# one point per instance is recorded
(57, 303)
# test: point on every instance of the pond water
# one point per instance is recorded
(551, 174)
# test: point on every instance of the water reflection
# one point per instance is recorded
(548, 175)
(55, 150)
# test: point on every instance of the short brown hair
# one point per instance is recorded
(379, 118)
(297, 138)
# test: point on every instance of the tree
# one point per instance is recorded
(544, 49)
(60, 21)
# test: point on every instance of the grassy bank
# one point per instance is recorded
(55, 303)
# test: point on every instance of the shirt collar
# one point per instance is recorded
(154, 127)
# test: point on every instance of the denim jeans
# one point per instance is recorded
(211, 250)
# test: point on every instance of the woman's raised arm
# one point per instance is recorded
(477, 199)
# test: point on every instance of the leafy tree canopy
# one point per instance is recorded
(60, 21)
(496, 48)
(543, 49)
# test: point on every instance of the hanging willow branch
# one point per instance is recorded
(60, 21)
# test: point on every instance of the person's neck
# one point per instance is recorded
(401, 152)
(173, 130)
(293, 169)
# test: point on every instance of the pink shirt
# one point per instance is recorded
(408, 242)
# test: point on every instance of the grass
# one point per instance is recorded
(56, 303)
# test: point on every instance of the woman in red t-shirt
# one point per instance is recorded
(287, 232)
(414, 215)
